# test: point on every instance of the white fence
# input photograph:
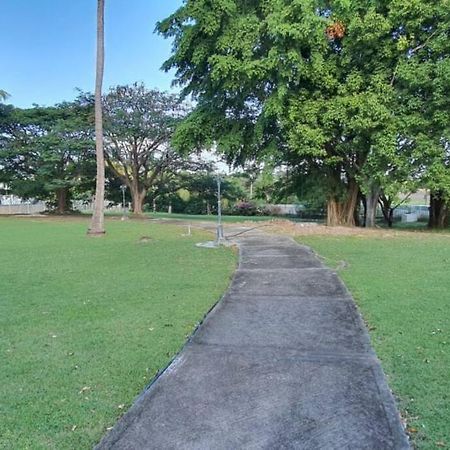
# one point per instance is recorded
(88, 207)
(421, 211)
(22, 208)
(16, 207)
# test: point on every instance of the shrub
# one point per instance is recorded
(246, 209)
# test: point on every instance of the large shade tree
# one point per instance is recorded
(422, 81)
(139, 124)
(47, 152)
(315, 81)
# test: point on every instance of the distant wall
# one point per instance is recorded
(22, 208)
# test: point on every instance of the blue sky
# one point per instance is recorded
(47, 47)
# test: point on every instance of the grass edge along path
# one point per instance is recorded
(85, 324)
(401, 285)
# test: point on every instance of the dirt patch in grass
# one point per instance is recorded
(295, 229)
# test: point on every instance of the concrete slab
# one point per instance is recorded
(275, 250)
(307, 324)
(282, 362)
(299, 261)
(216, 398)
(295, 282)
(264, 239)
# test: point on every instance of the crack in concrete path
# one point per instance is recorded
(282, 362)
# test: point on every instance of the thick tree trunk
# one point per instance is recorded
(343, 212)
(97, 222)
(334, 212)
(62, 200)
(439, 211)
(371, 206)
(137, 200)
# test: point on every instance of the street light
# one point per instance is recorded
(219, 234)
(10, 198)
(123, 188)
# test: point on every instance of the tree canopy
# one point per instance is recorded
(330, 88)
(46, 152)
(139, 123)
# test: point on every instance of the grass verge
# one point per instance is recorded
(204, 217)
(86, 323)
(402, 283)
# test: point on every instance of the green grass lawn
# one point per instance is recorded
(201, 217)
(86, 323)
(402, 286)
(211, 217)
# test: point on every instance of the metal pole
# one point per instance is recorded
(219, 213)
(123, 188)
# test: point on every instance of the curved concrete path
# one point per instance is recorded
(282, 362)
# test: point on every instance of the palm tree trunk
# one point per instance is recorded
(97, 221)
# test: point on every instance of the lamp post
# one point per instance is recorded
(10, 198)
(123, 188)
(219, 234)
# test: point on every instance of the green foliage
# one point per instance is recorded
(196, 192)
(3, 95)
(138, 125)
(47, 152)
(352, 91)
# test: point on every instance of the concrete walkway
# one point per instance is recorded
(282, 362)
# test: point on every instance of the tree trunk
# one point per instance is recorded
(97, 221)
(387, 210)
(154, 205)
(364, 201)
(343, 212)
(391, 217)
(208, 208)
(371, 206)
(137, 199)
(359, 201)
(61, 200)
(439, 211)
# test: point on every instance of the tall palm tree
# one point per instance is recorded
(97, 221)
